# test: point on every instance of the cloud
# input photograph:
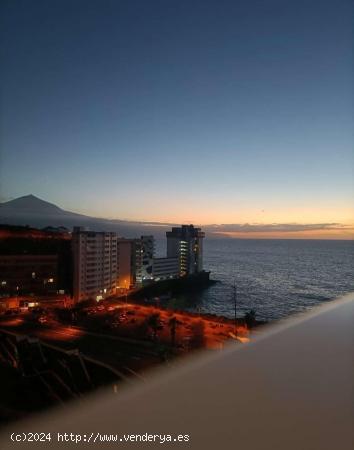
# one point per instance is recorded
(276, 228)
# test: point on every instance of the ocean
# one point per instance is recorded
(276, 278)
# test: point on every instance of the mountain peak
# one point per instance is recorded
(30, 196)
(31, 203)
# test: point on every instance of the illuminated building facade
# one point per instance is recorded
(95, 264)
(186, 244)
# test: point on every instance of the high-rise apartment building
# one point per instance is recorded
(125, 258)
(186, 244)
(95, 264)
(143, 255)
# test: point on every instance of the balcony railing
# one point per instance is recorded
(290, 388)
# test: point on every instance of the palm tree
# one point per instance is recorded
(198, 338)
(173, 323)
(154, 323)
(250, 318)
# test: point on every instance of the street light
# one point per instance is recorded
(234, 290)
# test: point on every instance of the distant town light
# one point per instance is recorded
(33, 274)
(3, 283)
(50, 280)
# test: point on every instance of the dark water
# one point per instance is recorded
(275, 277)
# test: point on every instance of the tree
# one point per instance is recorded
(153, 322)
(198, 338)
(173, 323)
(250, 318)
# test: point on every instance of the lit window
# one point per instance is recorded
(50, 280)
(33, 274)
(3, 283)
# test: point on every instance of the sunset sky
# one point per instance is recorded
(207, 112)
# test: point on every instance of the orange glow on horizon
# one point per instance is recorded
(209, 211)
(212, 212)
